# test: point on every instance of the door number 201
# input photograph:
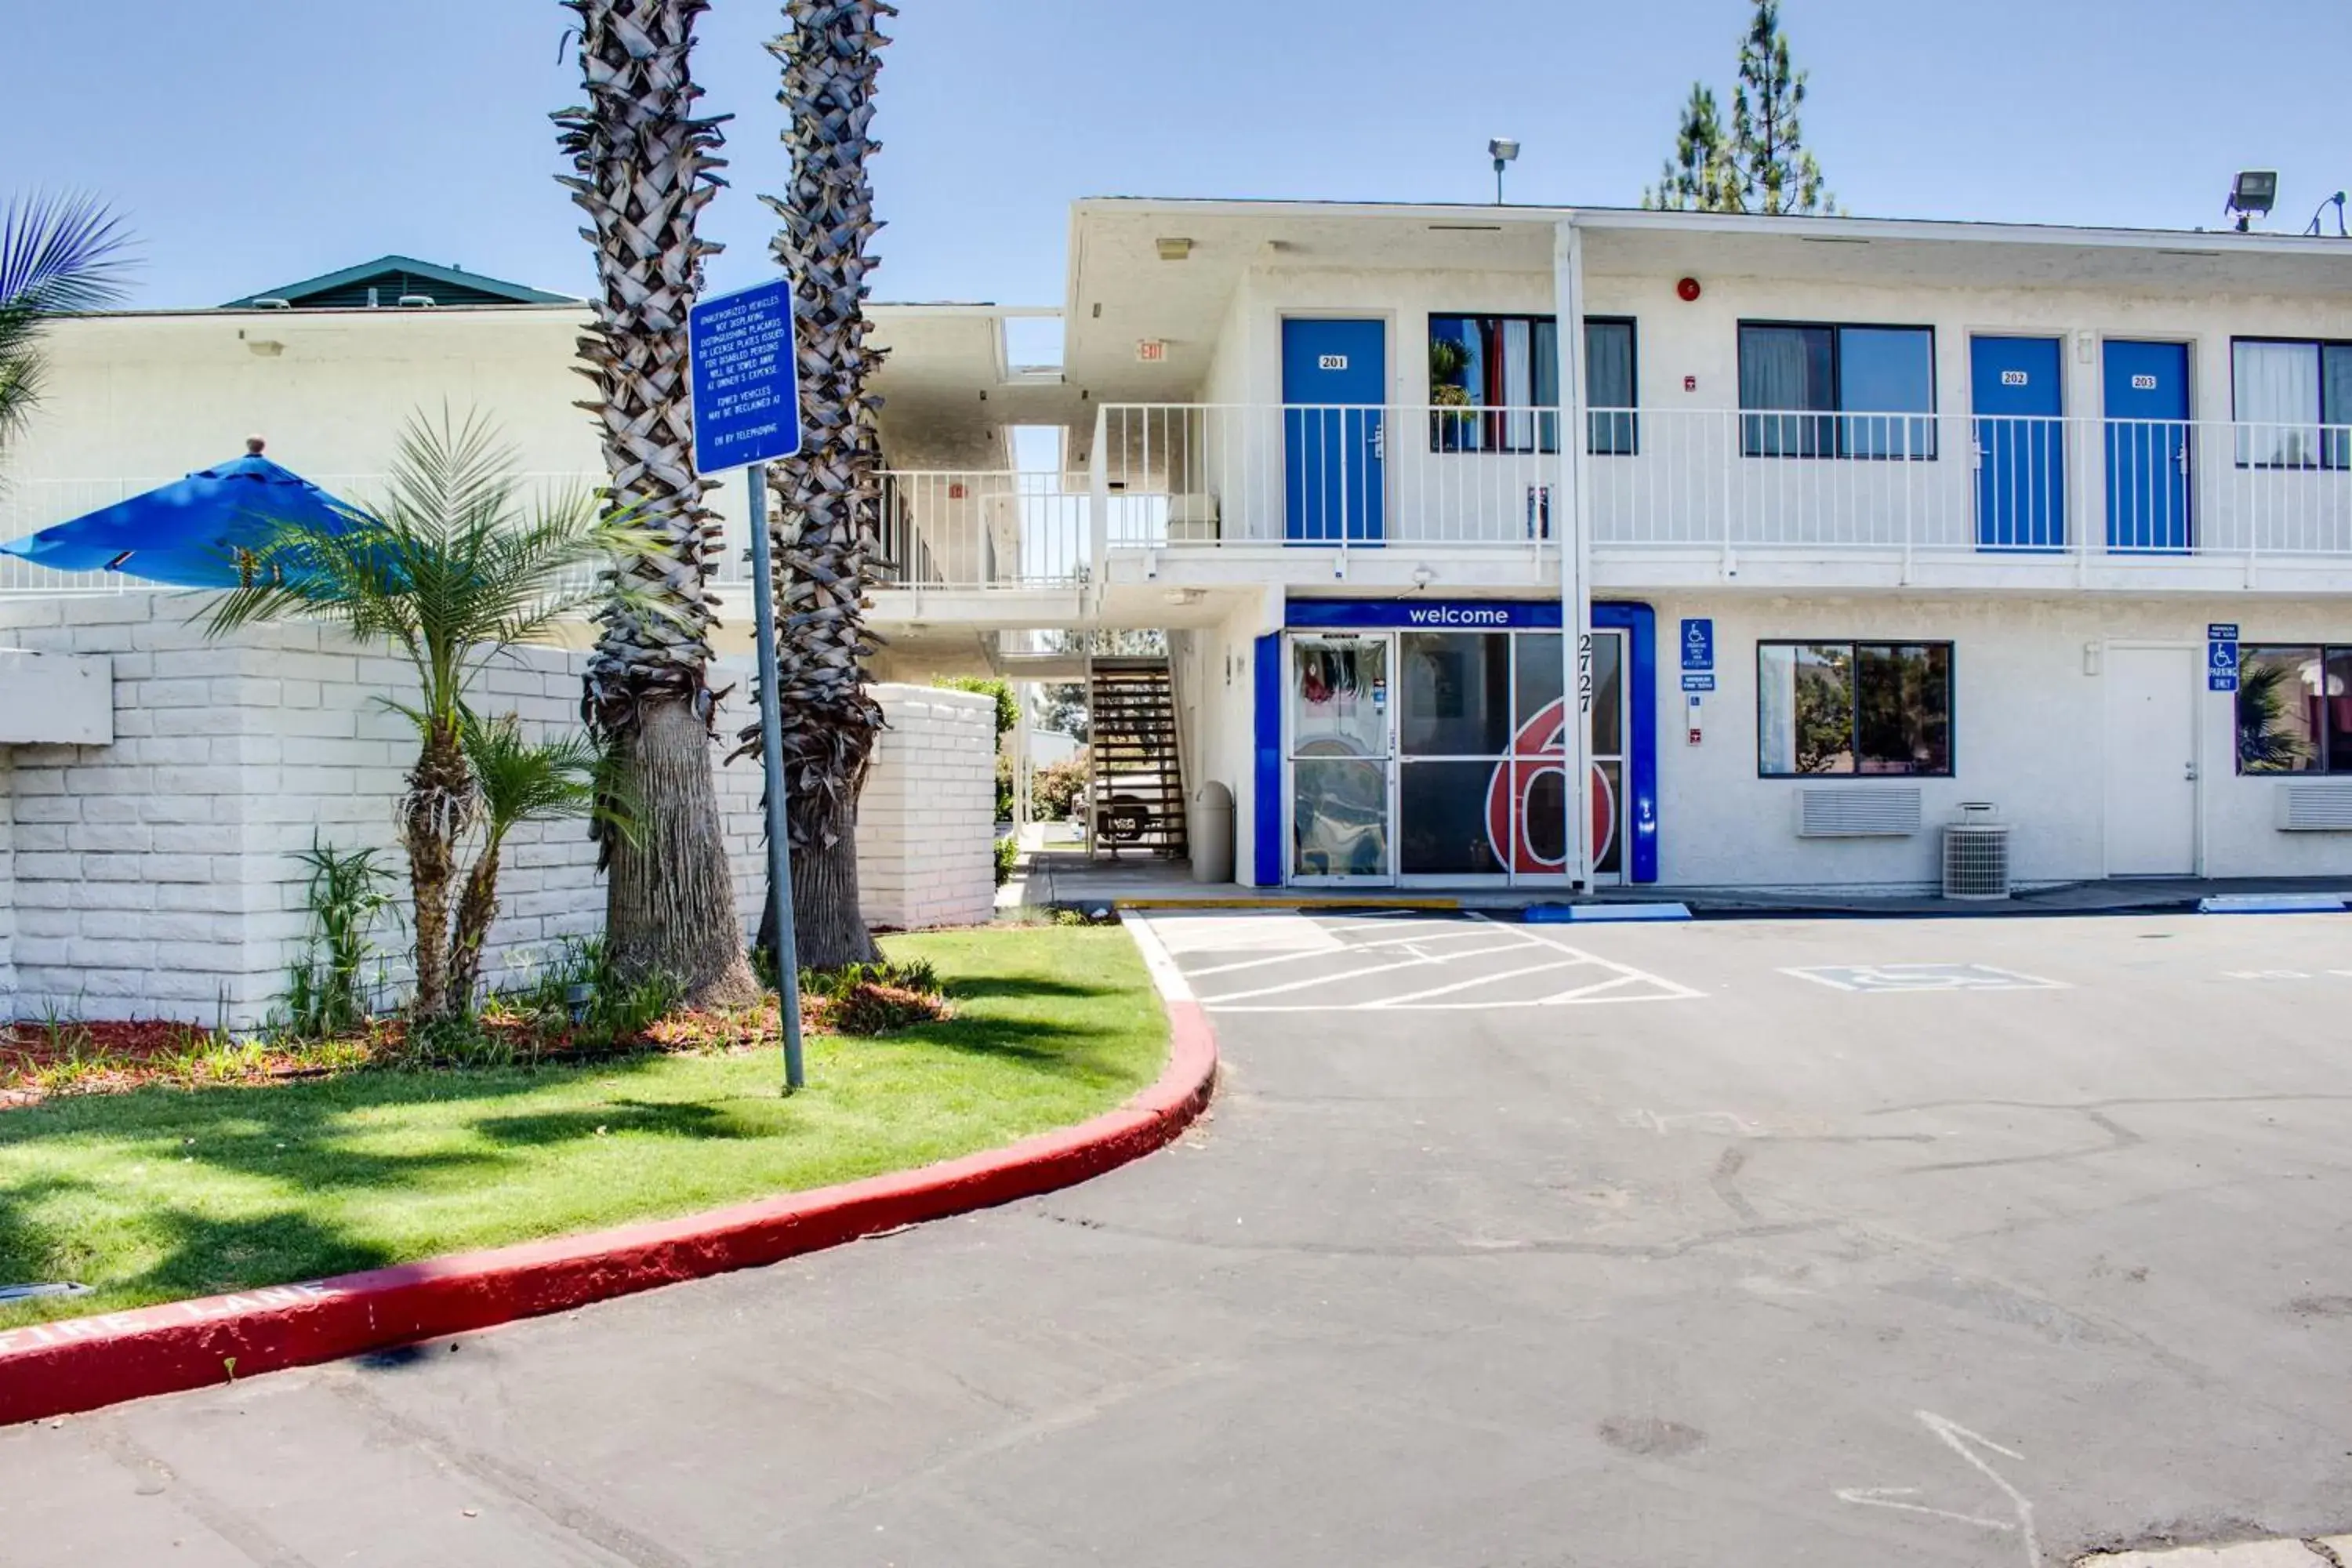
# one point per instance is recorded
(1332, 361)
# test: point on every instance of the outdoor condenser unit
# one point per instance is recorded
(1976, 853)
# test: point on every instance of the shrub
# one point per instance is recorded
(1008, 857)
(326, 989)
(1053, 788)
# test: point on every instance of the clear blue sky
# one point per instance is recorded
(253, 142)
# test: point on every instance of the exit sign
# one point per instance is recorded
(1150, 350)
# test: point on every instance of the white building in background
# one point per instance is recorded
(1857, 522)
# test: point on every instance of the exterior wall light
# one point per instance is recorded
(1502, 149)
(2253, 195)
(1174, 248)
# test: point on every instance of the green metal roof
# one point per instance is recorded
(388, 279)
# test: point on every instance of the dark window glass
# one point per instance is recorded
(2279, 701)
(1904, 708)
(1443, 824)
(1885, 372)
(1542, 677)
(1506, 363)
(2336, 702)
(2336, 404)
(1837, 392)
(1457, 694)
(1608, 695)
(1853, 708)
(1610, 395)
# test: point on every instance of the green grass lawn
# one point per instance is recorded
(163, 1194)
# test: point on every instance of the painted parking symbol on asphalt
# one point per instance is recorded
(1880, 977)
(1402, 964)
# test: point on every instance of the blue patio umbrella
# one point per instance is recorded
(189, 532)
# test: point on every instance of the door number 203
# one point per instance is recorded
(2142, 384)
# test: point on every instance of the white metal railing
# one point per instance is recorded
(984, 528)
(1198, 474)
(1221, 474)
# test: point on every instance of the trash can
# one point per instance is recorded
(1212, 832)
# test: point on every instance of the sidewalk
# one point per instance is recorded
(1063, 878)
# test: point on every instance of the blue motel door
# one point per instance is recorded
(2147, 446)
(1334, 380)
(2020, 442)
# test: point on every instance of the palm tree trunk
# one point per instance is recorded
(477, 910)
(645, 170)
(672, 905)
(827, 522)
(432, 814)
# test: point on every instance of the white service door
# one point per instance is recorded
(2152, 761)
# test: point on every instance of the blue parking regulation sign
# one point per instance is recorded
(745, 380)
(2221, 663)
(1698, 644)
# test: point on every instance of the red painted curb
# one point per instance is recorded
(82, 1364)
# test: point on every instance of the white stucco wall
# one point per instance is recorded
(927, 820)
(155, 875)
(2028, 735)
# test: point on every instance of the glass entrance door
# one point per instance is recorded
(1609, 729)
(1342, 762)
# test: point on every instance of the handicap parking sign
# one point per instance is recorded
(2222, 663)
(1698, 645)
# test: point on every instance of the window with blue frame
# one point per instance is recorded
(1503, 372)
(2292, 402)
(1810, 390)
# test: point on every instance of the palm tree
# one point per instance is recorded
(826, 526)
(645, 170)
(517, 781)
(451, 566)
(58, 255)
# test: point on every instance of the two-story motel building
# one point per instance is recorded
(1826, 526)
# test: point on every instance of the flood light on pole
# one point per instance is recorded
(1502, 149)
(2253, 195)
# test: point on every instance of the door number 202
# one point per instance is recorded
(2014, 378)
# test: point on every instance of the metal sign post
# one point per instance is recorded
(747, 410)
(772, 763)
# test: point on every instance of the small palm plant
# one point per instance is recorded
(516, 781)
(58, 255)
(451, 567)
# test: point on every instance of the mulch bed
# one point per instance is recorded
(46, 1062)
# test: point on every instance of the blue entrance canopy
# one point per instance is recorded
(190, 532)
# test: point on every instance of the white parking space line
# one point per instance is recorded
(1408, 942)
(1471, 986)
(1480, 980)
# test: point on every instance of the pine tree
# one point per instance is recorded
(1759, 163)
(1698, 175)
(1774, 172)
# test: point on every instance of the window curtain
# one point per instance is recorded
(1783, 370)
(2276, 386)
(2336, 404)
(1609, 386)
(1515, 359)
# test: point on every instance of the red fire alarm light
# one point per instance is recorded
(1687, 289)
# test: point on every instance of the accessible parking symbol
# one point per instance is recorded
(1923, 977)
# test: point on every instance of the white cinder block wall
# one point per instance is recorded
(157, 877)
(927, 821)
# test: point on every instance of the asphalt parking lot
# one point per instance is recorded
(1835, 1243)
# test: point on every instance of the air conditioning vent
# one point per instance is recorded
(1976, 854)
(2317, 806)
(1857, 811)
